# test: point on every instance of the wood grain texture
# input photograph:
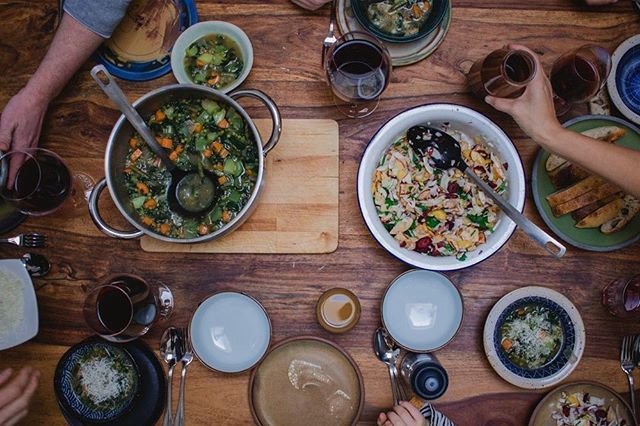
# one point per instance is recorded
(287, 53)
(290, 218)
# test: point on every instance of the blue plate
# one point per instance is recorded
(563, 355)
(628, 78)
(149, 68)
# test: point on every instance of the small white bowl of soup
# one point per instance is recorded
(215, 54)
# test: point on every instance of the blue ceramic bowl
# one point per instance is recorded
(564, 353)
(68, 395)
(628, 79)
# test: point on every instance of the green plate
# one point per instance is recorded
(564, 227)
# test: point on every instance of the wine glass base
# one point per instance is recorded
(166, 303)
(359, 110)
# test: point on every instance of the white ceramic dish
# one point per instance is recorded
(471, 124)
(201, 29)
(27, 327)
(545, 377)
(422, 310)
(222, 341)
(612, 80)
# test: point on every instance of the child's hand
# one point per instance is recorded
(403, 414)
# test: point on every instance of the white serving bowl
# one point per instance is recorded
(471, 124)
(202, 29)
(27, 326)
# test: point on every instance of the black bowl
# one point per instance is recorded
(434, 18)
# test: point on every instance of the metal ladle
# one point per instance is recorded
(189, 183)
(446, 154)
(389, 355)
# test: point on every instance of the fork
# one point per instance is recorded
(26, 240)
(330, 39)
(187, 357)
(627, 364)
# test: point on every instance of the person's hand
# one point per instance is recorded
(15, 394)
(533, 111)
(599, 2)
(20, 126)
(311, 4)
(403, 414)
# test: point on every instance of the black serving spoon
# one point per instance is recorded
(191, 193)
(445, 153)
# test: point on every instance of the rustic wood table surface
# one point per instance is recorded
(287, 55)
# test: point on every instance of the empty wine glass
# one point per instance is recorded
(358, 68)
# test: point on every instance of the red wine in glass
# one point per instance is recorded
(358, 70)
(578, 76)
(125, 307)
(504, 73)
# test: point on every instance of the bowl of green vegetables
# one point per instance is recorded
(214, 54)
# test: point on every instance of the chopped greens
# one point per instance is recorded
(213, 61)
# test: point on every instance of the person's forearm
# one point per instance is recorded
(72, 45)
(615, 163)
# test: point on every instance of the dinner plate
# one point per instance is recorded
(306, 377)
(568, 355)
(422, 310)
(22, 324)
(140, 47)
(623, 83)
(544, 410)
(147, 406)
(564, 226)
(224, 343)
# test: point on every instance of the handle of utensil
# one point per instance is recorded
(544, 240)
(94, 212)
(113, 91)
(394, 388)
(168, 417)
(276, 118)
(632, 393)
(180, 413)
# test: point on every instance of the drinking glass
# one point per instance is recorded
(358, 69)
(504, 73)
(622, 297)
(44, 184)
(578, 76)
(125, 307)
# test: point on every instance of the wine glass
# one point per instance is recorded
(125, 306)
(44, 183)
(578, 76)
(358, 68)
(504, 73)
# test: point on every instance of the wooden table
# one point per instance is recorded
(287, 56)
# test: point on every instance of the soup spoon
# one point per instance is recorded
(190, 193)
(446, 154)
(389, 356)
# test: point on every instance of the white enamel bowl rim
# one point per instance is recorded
(612, 85)
(258, 356)
(205, 28)
(28, 327)
(434, 275)
(459, 116)
(491, 322)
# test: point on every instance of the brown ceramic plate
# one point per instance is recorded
(306, 375)
(542, 414)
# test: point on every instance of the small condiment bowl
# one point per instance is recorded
(209, 28)
(333, 296)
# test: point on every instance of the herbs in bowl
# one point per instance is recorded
(214, 61)
(402, 18)
(531, 336)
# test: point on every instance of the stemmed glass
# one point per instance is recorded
(358, 68)
(43, 183)
(124, 307)
(578, 76)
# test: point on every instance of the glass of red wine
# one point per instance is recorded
(358, 68)
(43, 183)
(125, 307)
(578, 76)
(504, 73)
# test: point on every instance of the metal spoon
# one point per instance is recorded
(169, 351)
(194, 183)
(445, 153)
(187, 357)
(37, 265)
(389, 356)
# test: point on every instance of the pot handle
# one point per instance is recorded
(276, 118)
(100, 223)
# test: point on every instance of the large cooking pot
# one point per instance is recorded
(117, 148)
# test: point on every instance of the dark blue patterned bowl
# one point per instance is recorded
(66, 386)
(564, 353)
(628, 79)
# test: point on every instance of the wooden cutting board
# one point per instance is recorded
(298, 209)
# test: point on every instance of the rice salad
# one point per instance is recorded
(438, 212)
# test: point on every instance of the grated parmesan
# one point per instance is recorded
(101, 381)
(11, 302)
